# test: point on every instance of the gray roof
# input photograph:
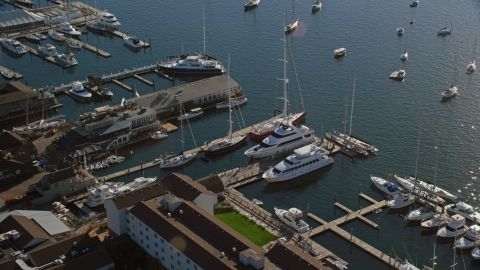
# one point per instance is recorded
(113, 128)
(191, 91)
(45, 219)
(19, 16)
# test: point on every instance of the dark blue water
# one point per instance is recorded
(386, 113)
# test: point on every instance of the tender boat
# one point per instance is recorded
(177, 160)
(438, 220)
(291, 27)
(79, 93)
(13, 45)
(57, 36)
(67, 29)
(340, 52)
(106, 92)
(411, 21)
(422, 213)
(72, 43)
(476, 253)
(236, 101)
(159, 135)
(33, 38)
(455, 227)
(292, 218)
(193, 113)
(414, 4)
(400, 31)
(465, 210)
(440, 192)
(108, 20)
(469, 240)
(133, 42)
(388, 188)
(68, 59)
(48, 49)
(401, 199)
(193, 64)
(472, 65)
(257, 202)
(404, 56)
(96, 27)
(316, 6)
(398, 75)
(303, 160)
(6, 75)
(422, 194)
(252, 4)
(286, 137)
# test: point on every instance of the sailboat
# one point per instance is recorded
(404, 56)
(453, 89)
(266, 129)
(472, 65)
(293, 25)
(180, 158)
(347, 141)
(228, 143)
(445, 31)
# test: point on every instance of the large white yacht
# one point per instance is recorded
(98, 195)
(455, 227)
(303, 160)
(465, 210)
(438, 220)
(402, 199)
(431, 188)
(79, 93)
(48, 49)
(293, 218)
(387, 187)
(193, 64)
(68, 59)
(285, 138)
(469, 240)
(13, 45)
(108, 20)
(67, 29)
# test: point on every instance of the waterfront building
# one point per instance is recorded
(17, 158)
(18, 20)
(28, 234)
(14, 97)
(46, 220)
(59, 183)
(291, 256)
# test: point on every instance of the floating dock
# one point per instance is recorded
(50, 59)
(16, 75)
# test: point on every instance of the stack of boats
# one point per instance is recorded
(105, 163)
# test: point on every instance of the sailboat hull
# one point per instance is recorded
(295, 118)
(226, 148)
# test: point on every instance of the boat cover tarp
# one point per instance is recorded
(392, 187)
(113, 128)
(173, 156)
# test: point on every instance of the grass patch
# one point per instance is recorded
(258, 235)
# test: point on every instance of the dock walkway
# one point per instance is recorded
(16, 75)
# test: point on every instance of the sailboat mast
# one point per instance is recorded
(418, 148)
(436, 162)
(43, 104)
(285, 80)
(345, 119)
(181, 125)
(353, 98)
(204, 51)
(229, 101)
(26, 115)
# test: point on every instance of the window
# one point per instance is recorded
(178, 262)
(128, 229)
(173, 267)
(188, 261)
(163, 250)
(161, 240)
(163, 259)
(178, 253)
(140, 224)
(64, 182)
(171, 248)
(146, 229)
(148, 246)
(128, 221)
(194, 267)
(147, 237)
(171, 257)
(133, 234)
(141, 241)
(155, 235)
(141, 233)
(156, 253)
(156, 244)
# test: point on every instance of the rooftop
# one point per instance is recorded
(212, 183)
(292, 257)
(146, 193)
(184, 186)
(45, 219)
(19, 16)
(27, 229)
(15, 91)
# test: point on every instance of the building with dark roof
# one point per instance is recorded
(116, 207)
(184, 187)
(213, 183)
(31, 234)
(290, 256)
(59, 183)
(16, 158)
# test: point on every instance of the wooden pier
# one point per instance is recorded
(169, 127)
(143, 80)
(94, 49)
(161, 74)
(122, 85)
(50, 59)
(123, 35)
(16, 75)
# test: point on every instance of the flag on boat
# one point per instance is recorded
(135, 92)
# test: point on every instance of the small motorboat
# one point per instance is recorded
(57, 36)
(68, 59)
(455, 227)
(72, 43)
(159, 135)
(398, 75)
(33, 38)
(401, 199)
(404, 56)
(340, 52)
(414, 4)
(133, 42)
(469, 240)
(317, 6)
(252, 4)
(422, 213)
(444, 31)
(438, 220)
(193, 113)
(96, 27)
(6, 75)
(400, 31)
(377, 211)
(257, 202)
(106, 92)
(411, 21)
(49, 50)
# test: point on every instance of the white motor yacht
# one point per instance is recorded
(48, 49)
(177, 160)
(455, 227)
(68, 59)
(303, 160)
(33, 38)
(141, 182)
(252, 4)
(465, 210)
(13, 45)
(285, 138)
(387, 187)
(401, 199)
(340, 52)
(438, 220)
(417, 191)
(292, 218)
(193, 113)
(469, 240)
(444, 31)
(476, 253)
(133, 42)
(422, 213)
(57, 36)
(96, 27)
(98, 195)
(73, 43)
(193, 64)
(159, 135)
(400, 31)
(67, 29)
(79, 93)
(108, 20)
(106, 92)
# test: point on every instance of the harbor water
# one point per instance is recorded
(387, 113)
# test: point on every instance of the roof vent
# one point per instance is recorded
(74, 244)
(223, 255)
(63, 257)
(74, 253)
(169, 215)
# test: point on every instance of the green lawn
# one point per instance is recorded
(247, 228)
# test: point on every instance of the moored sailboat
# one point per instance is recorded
(472, 65)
